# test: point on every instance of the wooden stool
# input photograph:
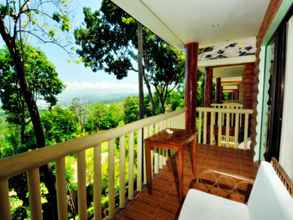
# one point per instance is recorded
(176, 140)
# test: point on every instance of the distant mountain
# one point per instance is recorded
(87, 97)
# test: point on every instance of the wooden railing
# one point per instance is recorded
(30, 162)
(227, 105)
(223, 126)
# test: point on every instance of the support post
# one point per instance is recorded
(218, 90)
(190, 85)
(208, 87)
(249, 88)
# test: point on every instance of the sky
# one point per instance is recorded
(79, 80)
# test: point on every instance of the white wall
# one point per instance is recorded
(286, 151)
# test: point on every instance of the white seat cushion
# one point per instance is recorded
(199, 205)
(269, 198)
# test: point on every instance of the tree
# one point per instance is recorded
(131, 109)
(60, 124)
(103, 116)
(23, 19)
(80, 111)
(109, 41)
(19, 19)
(42, 80)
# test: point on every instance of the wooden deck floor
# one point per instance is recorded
(163, 204)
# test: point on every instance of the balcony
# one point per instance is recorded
(220, 168)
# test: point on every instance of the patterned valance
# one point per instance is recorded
(228, 49)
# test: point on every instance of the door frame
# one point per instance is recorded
(264, 68)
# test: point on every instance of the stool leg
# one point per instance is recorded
(180, 162)
(148, 166)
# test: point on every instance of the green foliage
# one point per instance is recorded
(60, 124)
(131, 109)
(41, 77)
(103, 116)
(80, 111)
(108, 41)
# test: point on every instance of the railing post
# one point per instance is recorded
(4, 200)
(97, 182)
(33, 177)
(81, 192)
(139, 159)
(130, 165)
(111, 179)
(122, 172)
(61, 189)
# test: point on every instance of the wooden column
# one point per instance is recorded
(208, 87)
(218, 90)
(236, 94)
(249, 88)
(190, 85)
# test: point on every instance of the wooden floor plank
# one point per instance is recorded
(164, 204)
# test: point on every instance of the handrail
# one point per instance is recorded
(30, 162)
(227, 105)
(224, 110)
(14, 165)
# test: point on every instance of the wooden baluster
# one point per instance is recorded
(227, 128)
(173, 122)
(162, 158)
(219, 128)
(156, 161)
(199, 127)
(122, 172)
(111, 179)
(139, 159)
(61, 189)
(130, 165)
(158, 152)
(205, 128)
(97, 182)
(236, 131)
(4, 200)
(246, 127)
(81, 191)
(165, 153)
(165, 124)
(150, 132)
(212, 124)
(33, 181)
(144, 161)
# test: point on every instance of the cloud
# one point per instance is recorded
(101, 86)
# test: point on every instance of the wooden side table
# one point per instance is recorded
(179, 139)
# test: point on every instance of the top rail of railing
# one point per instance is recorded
(14, 165)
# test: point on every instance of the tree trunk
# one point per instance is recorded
(150, 94)
(140, 70)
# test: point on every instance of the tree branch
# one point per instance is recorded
(46, 41)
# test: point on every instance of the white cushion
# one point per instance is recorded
(199, 205)
(269, 198)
